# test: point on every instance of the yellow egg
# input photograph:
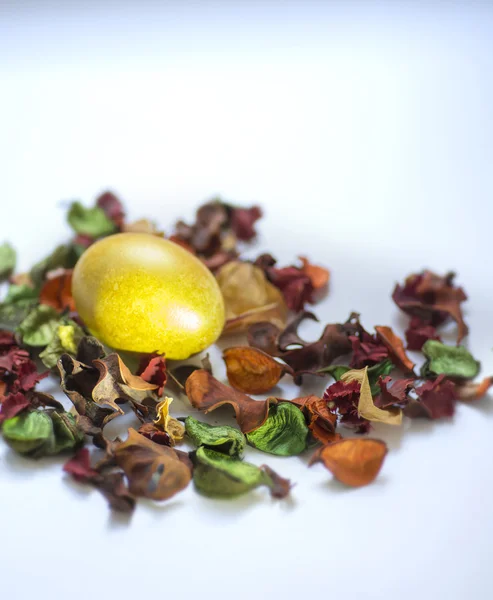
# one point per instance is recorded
(142, 293)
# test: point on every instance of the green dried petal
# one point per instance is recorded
(67, 435)
(66, 339)
(30, 433)
(40, 326)
(284, 432)
(89, 221)
(18, 303)
(335, 371)
(452, 361)
(7, 260)
(219, 475)
(223, 438)
(63, 256)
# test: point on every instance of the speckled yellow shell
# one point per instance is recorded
(142, 293)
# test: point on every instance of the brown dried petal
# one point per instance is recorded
(116, 382)
(355, 462)
(290, 337)
(78, 381)
(207, 393)
(153, 471)
(264, 336)
(252, 371)
(249, 297)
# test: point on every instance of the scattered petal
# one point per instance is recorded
(354, 462)
(284, 432)
(248, 297)
(252, 371)
(207, 393)
(221, 438)
(366, 407)
(396, 349)
(153, 471)
(57, 291)
(453, 361)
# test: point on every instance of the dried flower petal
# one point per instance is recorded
(89, 221)
(453, 361)
(319, 276)
(7, 261)
(117, 383)
(419, 332)
(437, 399)
(57, 291)
(221, 438)
(393, 391)
(264, 336)
(354, 462)
(79, 466)
(40, 325)
(152, 368)
(290, 336)
(252, 371)
(67, 337)
(395, 347)
(242, 221)
(153, 471)
(432, 298)
(207, 393)
(174, 428)
(12, 405)
(467, 390)
(249, 297)
(219, 475)
(284, 432)
(112, 208)
(366, 407)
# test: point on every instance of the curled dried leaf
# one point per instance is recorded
(395, 346)
(252, 371)
(468, 390)
(221, 438)
(290, 336)
(366, 407)
(248, 297)
(117, 383)
(206, 393)
(78, 381)
(164, 421)
(153, 471)
(432, 298)
(354, 462)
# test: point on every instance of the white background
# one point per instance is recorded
(364, 129)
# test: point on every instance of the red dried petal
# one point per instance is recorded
(79, 466)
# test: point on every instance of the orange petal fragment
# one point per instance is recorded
(252, 371)
(395, 347)
(355, 462)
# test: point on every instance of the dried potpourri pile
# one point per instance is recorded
(374, 379)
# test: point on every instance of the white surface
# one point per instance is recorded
(364, 129)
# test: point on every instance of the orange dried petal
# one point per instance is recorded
(355, 462)
(252, 371)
